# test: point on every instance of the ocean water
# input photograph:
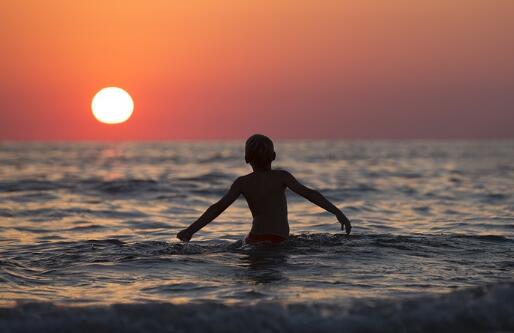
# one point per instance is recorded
(87, 239)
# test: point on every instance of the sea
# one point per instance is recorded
(87, 239)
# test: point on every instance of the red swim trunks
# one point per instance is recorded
(275, 239)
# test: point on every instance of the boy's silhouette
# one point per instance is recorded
(264, 190)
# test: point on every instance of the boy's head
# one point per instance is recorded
(259, 151)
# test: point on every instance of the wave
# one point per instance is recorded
(295, 242)
(92, 186)
(480, 309)
(127, 186)
(29, 185)
(58, 254)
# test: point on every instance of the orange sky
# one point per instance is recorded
(291, 69)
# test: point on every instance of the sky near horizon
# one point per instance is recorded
(355, 69)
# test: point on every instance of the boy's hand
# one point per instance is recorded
(345, 223)
(185, 235)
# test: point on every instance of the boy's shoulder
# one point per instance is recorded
(282, 172)
(249, 180)
(275, 172)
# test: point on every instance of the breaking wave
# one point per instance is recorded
(480, 309)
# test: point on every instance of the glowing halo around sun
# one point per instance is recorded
(112, 105)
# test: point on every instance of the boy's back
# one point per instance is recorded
(264, 192)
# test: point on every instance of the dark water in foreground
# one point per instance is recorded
(87, 239)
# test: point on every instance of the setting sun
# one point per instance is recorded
(112, 105)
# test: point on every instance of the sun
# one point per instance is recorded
(112, 105)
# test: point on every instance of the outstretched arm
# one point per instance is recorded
(212, 212)
(317, 198)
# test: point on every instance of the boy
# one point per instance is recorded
(264, 190)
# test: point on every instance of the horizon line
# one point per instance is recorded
(456, 139)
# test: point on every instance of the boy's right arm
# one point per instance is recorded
(212, 212)
(317, 198)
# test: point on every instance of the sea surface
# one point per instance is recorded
(87, 239)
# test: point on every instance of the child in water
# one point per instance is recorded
(264, 190)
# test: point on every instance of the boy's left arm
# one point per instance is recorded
(318, 199)
(212, 212)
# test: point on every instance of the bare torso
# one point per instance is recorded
(265, 193)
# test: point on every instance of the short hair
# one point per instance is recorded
(259, 150)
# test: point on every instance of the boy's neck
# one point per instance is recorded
(267, 167)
